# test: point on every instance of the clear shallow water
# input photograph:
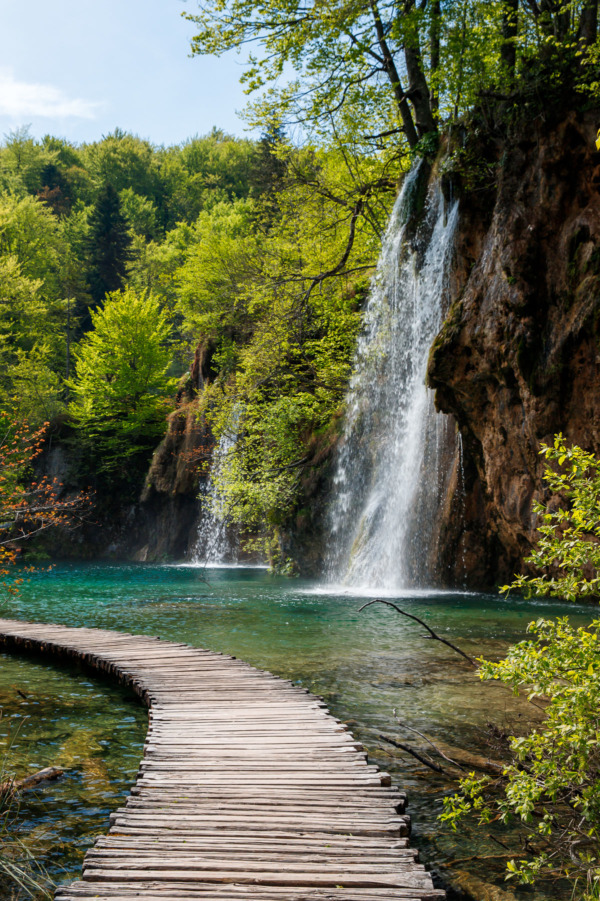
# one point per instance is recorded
(364, 664)
(60, 717)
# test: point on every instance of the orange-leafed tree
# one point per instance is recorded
(29, 506)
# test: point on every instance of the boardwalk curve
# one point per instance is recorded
(248, 787)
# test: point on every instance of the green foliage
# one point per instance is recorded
(205, 171)
(340, 69)
(567, 551)
(255, 250)
(140, 212)
(273, 291)
(121, 389)
(124, 161)
(32, 310)
(552, 785)
(332, 52)
(22, 162)
(109, 242)
(259, 252)
(31, 234)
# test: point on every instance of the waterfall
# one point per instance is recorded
(390, 467)
(214, 544)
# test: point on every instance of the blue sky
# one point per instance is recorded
(80, 68)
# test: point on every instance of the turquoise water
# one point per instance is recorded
(365, 664)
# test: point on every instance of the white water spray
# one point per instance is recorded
(389, 474)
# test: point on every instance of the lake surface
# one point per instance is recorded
(365, 664)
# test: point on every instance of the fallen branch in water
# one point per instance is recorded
(429, 741)
(432, 634)
(426, 760)
(45, 775)
(453, 863)
(470, 760)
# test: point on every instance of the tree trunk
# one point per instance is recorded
(434, 52)
(588, 23)
(510, 30)
(418, 89)
(559, 17)
(408, 124)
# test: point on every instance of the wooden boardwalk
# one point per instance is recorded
(248, 788)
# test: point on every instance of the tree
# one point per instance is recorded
(273, 292)
(28, 506)
(369, 71)
(55, 190)
(22, 160)
(121, 387)
(124, 161)
(203, 172)
(34, 255)
(109, 244)
(552, 785)
(342, 49)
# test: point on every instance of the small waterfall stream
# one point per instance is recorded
(390, 468)
(214, 544)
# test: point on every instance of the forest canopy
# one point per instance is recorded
(373, 70)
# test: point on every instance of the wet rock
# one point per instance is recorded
(517, 358)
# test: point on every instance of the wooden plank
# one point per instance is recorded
(208, 892)
(248, 787)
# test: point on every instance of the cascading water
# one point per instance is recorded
(390, 468)
(214, 544)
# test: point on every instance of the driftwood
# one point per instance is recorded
(435, 746)
(468, 759)
(460, 759)
(423, 758)
(45, 775)
(432, 634)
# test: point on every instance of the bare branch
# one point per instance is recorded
(426, 760)
(425, 626)
(429, 741)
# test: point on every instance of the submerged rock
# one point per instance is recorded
(475, 889)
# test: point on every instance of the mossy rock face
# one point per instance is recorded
(516, 359)
(416, 202)
(443, 342)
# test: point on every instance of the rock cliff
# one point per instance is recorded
(518, 356)
(168, 510)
